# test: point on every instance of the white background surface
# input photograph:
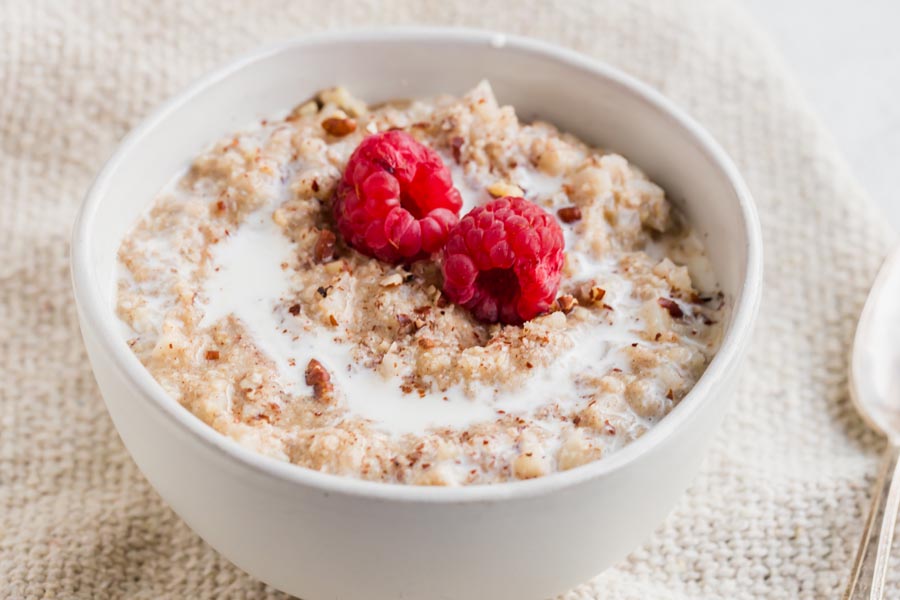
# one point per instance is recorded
(846, 57)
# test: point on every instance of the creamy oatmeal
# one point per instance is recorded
(245, 305)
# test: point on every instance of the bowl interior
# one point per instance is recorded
(597, 103)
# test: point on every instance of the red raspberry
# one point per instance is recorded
(396, 199)
(503, 261)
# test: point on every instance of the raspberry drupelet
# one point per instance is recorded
(396, 200)
(503, 261)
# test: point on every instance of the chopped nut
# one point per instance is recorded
(504, 188)
(456, 144)
(324, 250)
(583, 292)
(319, 379)
(334, 267)
(596, 294)
(569, 214)
(670, 305)
(339, 127)
(565, 303)
(294, 309)
(392, 280)
(426, 343)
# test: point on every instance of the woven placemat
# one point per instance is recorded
(778, 508)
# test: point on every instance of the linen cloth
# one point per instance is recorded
(781, 500)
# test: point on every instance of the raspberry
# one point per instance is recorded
(503, 261)
(396, 199)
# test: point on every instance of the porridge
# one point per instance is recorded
(424, 292)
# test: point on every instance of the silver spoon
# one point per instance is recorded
(875, 390)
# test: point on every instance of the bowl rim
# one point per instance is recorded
(94, 308)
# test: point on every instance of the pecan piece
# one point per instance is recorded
(318, 378)
(339, 127)
(588, 293)
(324, 250)
(565, 303)
(500, 189)
(456, 143)
(670, 305)
(569, 214)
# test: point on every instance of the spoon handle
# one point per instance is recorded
(872, 558)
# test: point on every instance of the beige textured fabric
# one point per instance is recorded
(778, 508)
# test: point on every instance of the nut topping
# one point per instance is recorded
(339, 127)
(456, 143)
(504, 188)
(670, 305)
(596, 294)
(318, 378)
(324, 250)
(565, 303)
(394, 279)
(569, 214)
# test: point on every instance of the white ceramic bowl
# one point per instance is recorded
(321, 536)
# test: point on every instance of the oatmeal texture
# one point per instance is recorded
(244, 304)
